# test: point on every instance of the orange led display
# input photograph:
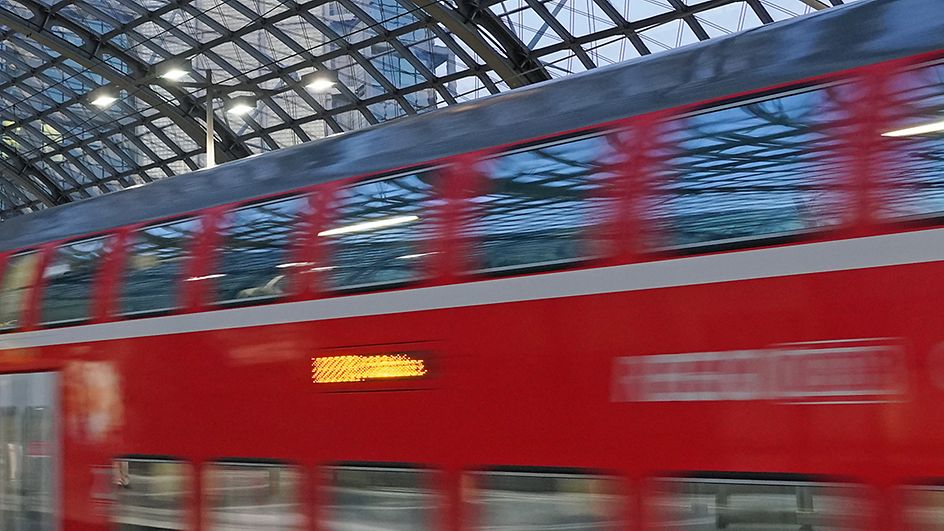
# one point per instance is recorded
(356, 368)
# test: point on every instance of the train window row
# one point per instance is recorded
(787, 164)
(158, 494)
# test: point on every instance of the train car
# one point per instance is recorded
(695, 291)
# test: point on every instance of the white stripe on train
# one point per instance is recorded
(841, 255)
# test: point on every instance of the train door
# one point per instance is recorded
(29, 452)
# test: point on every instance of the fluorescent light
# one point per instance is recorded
(320, 81)
(104, 100)
(932, 127)
(295, 264)
(365, 226)
(322, 268)
(241, 105)
(174, 74)
(205, 277)
(412, 256)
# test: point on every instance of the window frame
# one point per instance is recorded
(476, 214)
(190, 252)
(331, 216)
(95, 290)
(215, 249)
(26, 303)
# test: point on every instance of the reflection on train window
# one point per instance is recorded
(253, 496)
(518, 501)
(541, 205)
(255, 253)
(735, 504)
(28, 446)
(68, 281)
(761, 169)
(912, 183)
(393, 499)
(151, 494)
(18, 277)
(382, 232)
(924, 508)
(154, 263)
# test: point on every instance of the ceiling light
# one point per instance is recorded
(103, 97)
(241, 105)
(320, 81)
(365, 226)
(932, 127)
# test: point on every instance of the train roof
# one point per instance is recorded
(836, 39)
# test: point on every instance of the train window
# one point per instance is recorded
(382, 232)
(155, 259)
(68, 281)
(28, 460)
(393, 499)
(253, 496)
(541, 205)
(912, 184)
(924, 508)
(544, 500)
(18, 277)
(714, 504)
(151, 494)
(255, 251)
(757, 170)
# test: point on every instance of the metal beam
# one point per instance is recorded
(516, 67)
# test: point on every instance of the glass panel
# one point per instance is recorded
(155, 261)
(733, 504)
(382, 232)
(924, 508)
(512, 501)
(253, 496)
(151, 495)
(69, 279)
(541, 205)
(18, 277)
(391, 499)
(28, 449)
(913, 183)
(255, 251)
(760, 169)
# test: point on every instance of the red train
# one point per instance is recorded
(697, 291)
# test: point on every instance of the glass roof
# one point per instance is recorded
(391, 58)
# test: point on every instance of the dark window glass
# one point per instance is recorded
(255, 254)
(382, 231)
(519, 501)
(155, 261)
(924, 508)
(541, 205)
(69, 279)
(151, 495)
(253, 497)
(912, 184)
(760, 169)
(18, 276)
(710, 504)
(391, 499)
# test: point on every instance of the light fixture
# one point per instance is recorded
(205, 277)
(103, 97)
(365, 226)
(932, 127)
(294, 264)
(320, 81)
(174, 70)
(241, 105)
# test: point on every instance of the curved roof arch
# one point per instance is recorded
(392, 58)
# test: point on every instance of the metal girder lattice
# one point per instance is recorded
(392, 58)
